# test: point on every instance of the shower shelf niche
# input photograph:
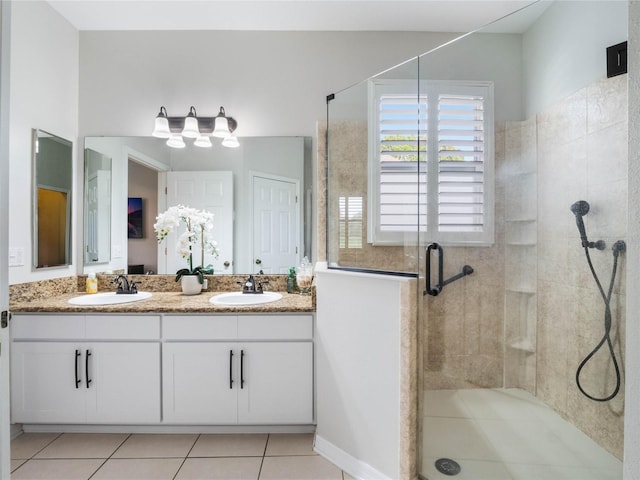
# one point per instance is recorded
(521, 251)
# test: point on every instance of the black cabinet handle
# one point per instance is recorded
(241, 368)
(230, 369)
(86, 367)
(76, 367)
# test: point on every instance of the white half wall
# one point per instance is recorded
(358, 361)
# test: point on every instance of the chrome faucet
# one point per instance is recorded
(124, 286)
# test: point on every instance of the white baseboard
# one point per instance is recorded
(168, 428)
(16, 429)
(354, 467)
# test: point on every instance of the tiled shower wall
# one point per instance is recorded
(464, 324)
(582, 155)
(531, 311)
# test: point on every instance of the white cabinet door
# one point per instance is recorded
(43, 383)
(124, 382)
(277, 383)
(199, 383)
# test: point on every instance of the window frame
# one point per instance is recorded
(429, 232)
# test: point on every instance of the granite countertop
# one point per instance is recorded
(168, 302)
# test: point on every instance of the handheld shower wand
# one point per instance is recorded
(580, 209)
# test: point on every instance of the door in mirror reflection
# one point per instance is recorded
(275, 224)
(52, 227)
(52, 183)
(211, 191)
(97, 207)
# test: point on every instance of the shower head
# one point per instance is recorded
(580, 209)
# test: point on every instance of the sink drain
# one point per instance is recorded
(447, 466)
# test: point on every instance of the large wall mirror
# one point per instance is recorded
(141, 168)
(52, 185)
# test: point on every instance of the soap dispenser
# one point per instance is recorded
(92, 283)
(291, 281)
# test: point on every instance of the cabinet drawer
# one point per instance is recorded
(200, 327)
(26, 327)
(275, 327)
(123, 327)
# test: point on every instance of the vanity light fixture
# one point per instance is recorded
(175, 129)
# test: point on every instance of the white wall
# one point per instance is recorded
(143, 183)
(272, 83)
(44, 94)
(5, 339)
(632, 360)
(565, 50)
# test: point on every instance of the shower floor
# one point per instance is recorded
(497, 434)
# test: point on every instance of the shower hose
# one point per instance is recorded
(618, 247)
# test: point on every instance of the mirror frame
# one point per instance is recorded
(36, 135)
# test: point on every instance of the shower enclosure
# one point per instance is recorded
(472, 155)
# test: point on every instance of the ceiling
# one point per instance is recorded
(296, 15)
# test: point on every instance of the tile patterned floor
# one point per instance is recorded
(508, 434)
(115, 456)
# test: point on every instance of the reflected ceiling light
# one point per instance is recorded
(176, 141)
(203, 141)
(231, 141)
(175, 129)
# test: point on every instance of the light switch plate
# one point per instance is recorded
(16, 257)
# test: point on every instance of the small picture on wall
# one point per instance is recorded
(135, 217)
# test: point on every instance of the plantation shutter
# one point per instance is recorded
(350, 224)
(447, 133)
(402, 162)
(461, 142)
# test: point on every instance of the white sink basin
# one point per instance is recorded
(108, 298)
(239, 298)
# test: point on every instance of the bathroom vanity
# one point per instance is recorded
(170, 360)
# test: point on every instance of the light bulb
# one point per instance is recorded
(221, 129)
(161, 129)
(230, 142)
(191, 127)
(203, 141)
(176, 141)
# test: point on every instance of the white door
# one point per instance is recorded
(211, 191)
(98, 217)
(125, 382)
(277, 383)
(199, 383)
(276, 225)
(48, 382)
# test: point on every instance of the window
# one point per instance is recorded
(431, 162)
(350, 222)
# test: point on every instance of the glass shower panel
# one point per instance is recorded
(374, 175)
(502, 345)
